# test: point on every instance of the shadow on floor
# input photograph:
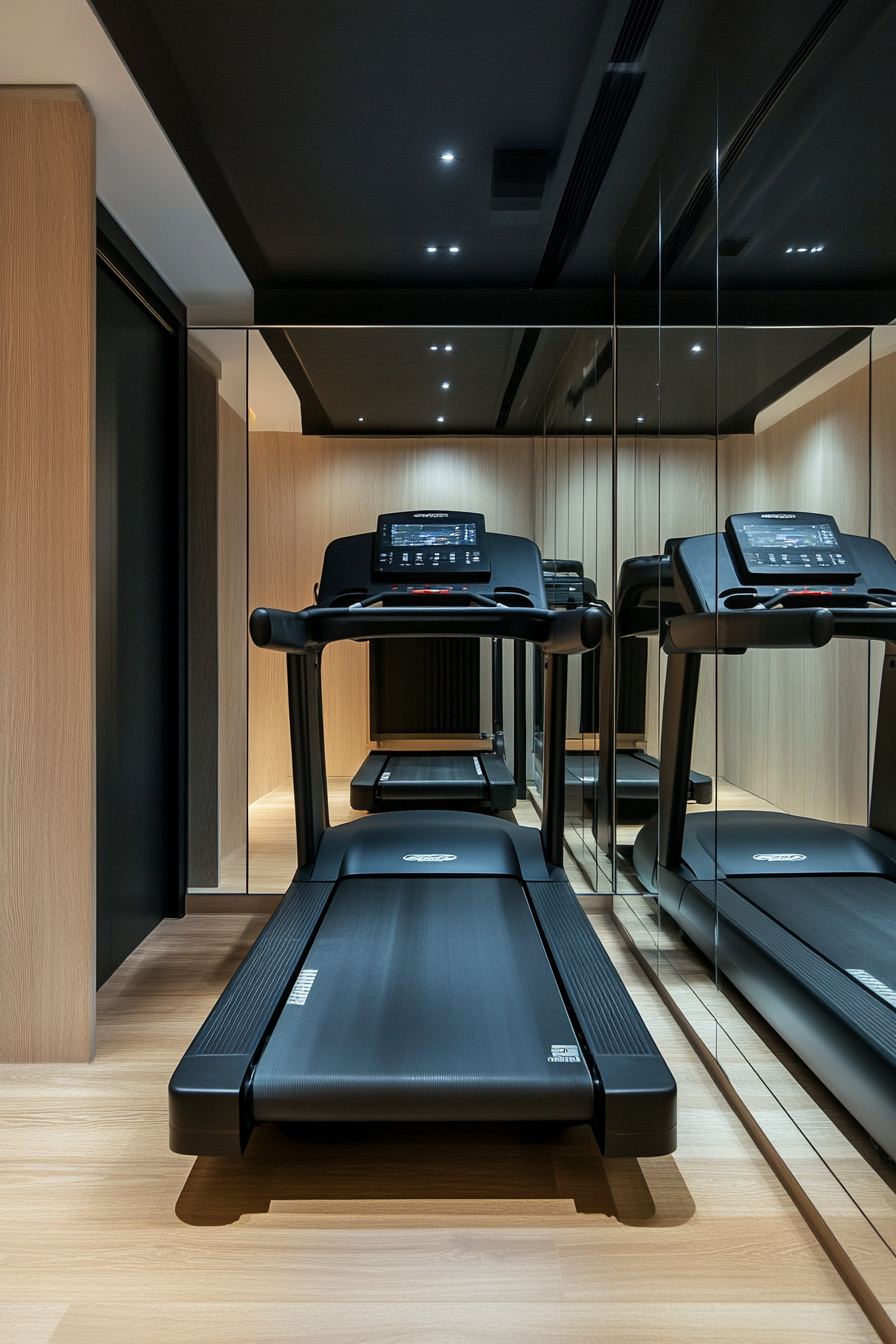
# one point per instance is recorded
(363, 1167)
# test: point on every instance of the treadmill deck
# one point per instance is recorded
(425, 999)
(440, 777)
(849, 919)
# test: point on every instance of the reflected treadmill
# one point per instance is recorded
(800, 913)
(637, 773)
(424, 965)
(429, 688)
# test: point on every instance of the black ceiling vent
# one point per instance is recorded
(705, 190)
(520, 364)
(616, 97)
(599, 368)
(518, 178)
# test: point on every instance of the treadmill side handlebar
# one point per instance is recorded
(306, 631)
(736, 631)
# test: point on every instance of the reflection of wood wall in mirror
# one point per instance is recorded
(202, 624)
(794, 726)
(666, 487)
(304, 491)
(232, 600)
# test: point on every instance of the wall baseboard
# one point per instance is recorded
(237, 903)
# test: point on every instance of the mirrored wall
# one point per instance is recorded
(729, 746)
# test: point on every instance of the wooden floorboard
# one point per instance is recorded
(388, 1233)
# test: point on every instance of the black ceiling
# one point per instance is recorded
(314, 132)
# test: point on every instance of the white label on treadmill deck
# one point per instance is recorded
(477, 767)
(564, 1054)
(302, 988)
(876, 986)
(429, 858)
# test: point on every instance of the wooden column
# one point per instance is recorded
(47, 287)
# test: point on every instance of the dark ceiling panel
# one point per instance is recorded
(314, 131)
(806, 109)
(328, 119)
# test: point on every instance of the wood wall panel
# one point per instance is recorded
(794, 724)
(665, 487)
(232, 603)
(307, 489)
(203, 712)
(47, 772)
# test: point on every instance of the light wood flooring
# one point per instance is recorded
(383, 1233)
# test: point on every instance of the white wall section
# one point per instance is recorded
(140, 178)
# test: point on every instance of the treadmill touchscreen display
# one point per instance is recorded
(431, 544)
(789, 545)
(417, 534)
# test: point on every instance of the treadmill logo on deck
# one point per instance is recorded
(430, 515)
(777, 515)
(780, 858)
(429, 858)
(564, 1054)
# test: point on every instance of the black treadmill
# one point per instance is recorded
(429, 688)
(424, 965)
(800, 913)
(637, 773)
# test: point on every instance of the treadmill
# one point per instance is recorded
(424, 965)
(637, 773)
(800, 913)
(429, 688)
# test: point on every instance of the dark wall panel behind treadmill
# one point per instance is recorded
(136, 622)
(631, 697)
(424, 686)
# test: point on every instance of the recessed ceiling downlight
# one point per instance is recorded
(445, 387)
(440, 419)
(447, 347)
(819, 247)
(447, 157)
(696, 349)
(454, 249)
(432, 249)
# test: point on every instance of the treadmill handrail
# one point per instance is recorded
(736, 631)
(645, 595)
(307, 631)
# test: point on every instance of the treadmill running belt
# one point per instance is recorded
(438, 777)
(424, 999)
(635, 777)
(849, 920)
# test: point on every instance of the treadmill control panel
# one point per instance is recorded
(778, 547)
(431, 544)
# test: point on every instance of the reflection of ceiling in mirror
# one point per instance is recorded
(272, 397)
(881, 342)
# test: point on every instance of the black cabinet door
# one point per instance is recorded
(137, 586)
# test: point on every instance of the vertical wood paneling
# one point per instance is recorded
(304, 491)
(47, 775)
(794, 724)
(232, 602)
(202, 624)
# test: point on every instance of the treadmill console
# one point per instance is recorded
(431, 544)
(781, 547)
